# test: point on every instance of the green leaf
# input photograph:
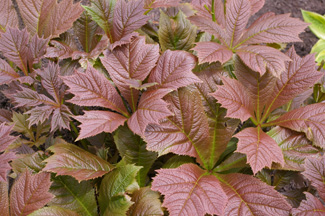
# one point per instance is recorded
(234, 161)
(176, 33)
(146, 202)
(318, 47)
(33, 162)
(102, 12)
(53, 211)
(317, 23)
(69, 159)
(113, 198)
(78, 197)
(178, 160)
(134, 151)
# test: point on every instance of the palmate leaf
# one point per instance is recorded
(29, 193)
(212, 52)
(53, 211)
(133, 149)
(295, 147)
(250, 196)
(4, 204)
(78, 197)
(261, 149)
(8, 16)
(68, 159)
(113, 199)
(47, 17)
(7, 73)
(132, 61)
(146, 202)
(189, 190)
(4, 165)
(174, 70)
(310, 207)
(314, 171)
(176, 33)
(6, 139)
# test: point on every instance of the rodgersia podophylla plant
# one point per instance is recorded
(197, 113)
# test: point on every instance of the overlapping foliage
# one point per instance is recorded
(198, 113)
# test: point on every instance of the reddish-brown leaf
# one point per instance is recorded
(68, 159)
(95, 122)
(309, 119)
(310, 207)
(4, 199)
(260, 148)
(315, 172)
(131, 61)
(128, 17)
(7, 74)
(273, 29)
(185, 133)
(212, 52)
(189, 190)
(93, 89)
(232, 96)
(28, 97)
(29, 193)
(164, 3)
(36, 50)
(14, 46)
(47, 17)
(5, 138)
(256, 5)
(174, 70)
(8, 15)
(300, 75)
(237, 15)
(262, 58)
(151, 109)
(4, 165)
(5, 115)
(250, 196)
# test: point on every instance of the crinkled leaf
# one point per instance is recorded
(8, 15)
(250, 196)
(315, 172)
(273, 29)
(37, 49)
(133, 149)
(39, 114)
(78, 197)
(4, 199)
(174, 70)
(53, 211)
(47, 17)
(176, 33)
(309, 119)
(68, 159)
(261, 149)
(85, 29)
(300, 74)
(161, 3)
(317, 23)
(14, 46)
(128, 17)
(189, 190)
(185, 133)
(95, 122)
(93, 89)
(33, 162)
(7, 74)
(295, 147)
(29, 193)
(256, 5)
(102, 12)
(63, 48)
(112, 198)
(295, 196)
(5, 138)
(146, 202)
(4, 165)
(61, 118)
(151, 109)
(212, 52)
(262, 58)
(232, 97)
(132, 61)
(28, 97)
(310, 207)
(237, 15)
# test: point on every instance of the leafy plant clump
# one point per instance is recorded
(196, 114)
